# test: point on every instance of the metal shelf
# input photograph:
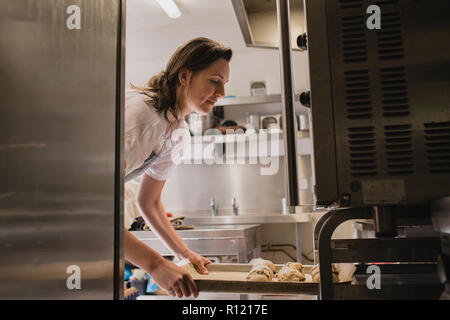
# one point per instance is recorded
(234, 137)
(242, 142)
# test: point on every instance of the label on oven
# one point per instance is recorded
(383, 191)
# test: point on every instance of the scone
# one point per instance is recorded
(291, 271)
(260, 272)
(295, 265)
(266, 263)
(315, 273)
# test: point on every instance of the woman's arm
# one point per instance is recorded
(175, 280)
(153, 213)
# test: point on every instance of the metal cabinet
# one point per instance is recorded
(60, 151)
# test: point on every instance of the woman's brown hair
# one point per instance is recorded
(195, 55)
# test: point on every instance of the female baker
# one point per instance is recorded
(193, 80)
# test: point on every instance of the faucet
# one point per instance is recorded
(235, 207)
(212, 203)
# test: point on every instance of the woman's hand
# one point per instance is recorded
(198, 261)
(174, 280)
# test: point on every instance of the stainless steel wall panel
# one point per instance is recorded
(186, 193)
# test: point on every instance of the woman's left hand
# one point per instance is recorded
(198, 261)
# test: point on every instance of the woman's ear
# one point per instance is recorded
(184, 75)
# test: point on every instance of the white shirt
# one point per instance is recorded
(145, 131)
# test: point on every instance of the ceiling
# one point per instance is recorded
(147, 14)
(151, 34)
(253, 6)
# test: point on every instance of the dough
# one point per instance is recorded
(315, 273)
(260, 272)
(291, 271)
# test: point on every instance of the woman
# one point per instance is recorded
(193, 80)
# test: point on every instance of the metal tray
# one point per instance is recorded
(232, 278)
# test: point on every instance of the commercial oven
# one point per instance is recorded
(381, 122)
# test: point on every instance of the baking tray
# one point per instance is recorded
(231, 277)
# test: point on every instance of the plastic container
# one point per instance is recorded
(253, 119)
(140, 285)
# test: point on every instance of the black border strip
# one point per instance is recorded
(118, 168)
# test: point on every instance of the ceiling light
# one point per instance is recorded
(170, 8)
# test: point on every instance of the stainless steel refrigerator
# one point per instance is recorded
(61, 111)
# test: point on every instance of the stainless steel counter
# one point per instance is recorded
(243, 241)
(244, 219)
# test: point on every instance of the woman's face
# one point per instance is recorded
(204, 87)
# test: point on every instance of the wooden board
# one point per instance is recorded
(232, 278)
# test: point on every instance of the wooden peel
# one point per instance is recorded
(231, 277)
